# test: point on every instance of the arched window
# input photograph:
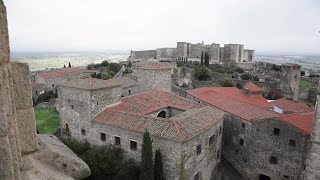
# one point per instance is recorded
(162, 114)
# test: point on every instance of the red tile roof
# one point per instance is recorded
(303, 122)
(157, 65)
(59, 72)
(291, 106)
(90, 83)
(132, 114)
(34, 84)
(252, 88)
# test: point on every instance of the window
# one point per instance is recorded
(52, 85)
(83, 131)
(285, 177)
(97, 103)
(243, 125)
(129, 91)
(103, 136)
(211, 139)
(117, 141)
(36, 92)
(197, 176)
(133, 145)
(241, 141)
(220, 130)
(199, 149)
(292, 143)
(273, 160)
(67, 130)
(276, 131)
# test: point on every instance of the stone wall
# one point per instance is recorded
(154, 78)
(147, 54)
(182, 75)
(290, 80)
(166, 53)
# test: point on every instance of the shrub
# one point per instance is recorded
(313, 75)
(104, 63)
(246, 76)
(255, 78)
(201, 73)
(221, 70)
(147, 171)
(179, 63)
(303, 73)
(239, 70)
(276, 67)
(226, 83)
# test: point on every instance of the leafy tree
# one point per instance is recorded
(146, 158)
(158, 166)
(69, 64)
(276, 67)
(206, 59)
(64, 66)
(246, 76)
(201, 73)
(129, 64)
(104, 63)
(115, 67)
(94, 75)
(226, 83)
(202, 58)
(179, 63)
(99, 76)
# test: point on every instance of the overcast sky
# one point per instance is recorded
(95, 25)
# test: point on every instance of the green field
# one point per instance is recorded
(47, 120)
(307, 84)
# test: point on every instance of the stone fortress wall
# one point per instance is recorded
(229, 54)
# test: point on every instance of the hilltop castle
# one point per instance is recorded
(229, 54)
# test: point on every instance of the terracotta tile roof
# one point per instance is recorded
(90, 83)
(235, 101)
(156, 65)
(182, 127)
(291, 106)
(59, 72)
(252, 87)
(303, 122)
(34, 84)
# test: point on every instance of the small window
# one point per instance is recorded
(211, 139)
(133, 145)
(199, 149)
(276, 131)
(285, 177)
(197, 176)
(83, 131)
(117, 141)
(103, 136)
(292, 143)
(273, 160)
(220, 130)
(97, 103)
(199, 102)
(129, 91)
(52, 85)
(241, 141)
(72, 107)
(36, 92)
(243, 125)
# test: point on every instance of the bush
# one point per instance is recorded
(313, 75)
(221, 70)
(255, 78)
(226, 83)
(239, 70)
(246, 76)
(45, 97)
(303, 73)
(105, 162)
(276, 67)
(115, 67)
(104, 63)
(201, 73)
(179, 63)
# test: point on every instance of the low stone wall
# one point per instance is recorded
(246, 65)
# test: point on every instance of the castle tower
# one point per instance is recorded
(291, 74)
(313, 159)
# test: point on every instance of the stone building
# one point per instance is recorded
(50, 79)
(23, 153)
(261, 140)
(229, 54)
(187, 133)
(290, 79)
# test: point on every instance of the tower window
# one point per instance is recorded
(241, 141)
(199, 149)
(83, 131)
(133, 145)
(276, 131)
(97, 103)
(103, 136)
(292, 143)
(273, 160)
(117, 141)
(72, 107)
(243, 125)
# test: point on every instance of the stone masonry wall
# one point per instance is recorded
(101, 98)
(148, 54)
(151, 79)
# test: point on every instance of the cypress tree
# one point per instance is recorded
(206, 59)
(158, 166)
(146, 158)
(69, 64)
(202, 58)
(64, 66)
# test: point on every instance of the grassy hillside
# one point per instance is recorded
(47, 120)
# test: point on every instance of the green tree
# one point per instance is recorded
(246, 76)
(104, 63)
(206, 59)
(179, 63)
(202, 58)
(226, 83)
(158, 166)
(64, 66)
(129, 64)
(69, 64)
(201, 73)
(146, 158)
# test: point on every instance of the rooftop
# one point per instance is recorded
(291, 106)
(59, 72)
(252, 87)
(34, 84)
(156, 65)
(90, 83)
(132, 112)
(303, 122)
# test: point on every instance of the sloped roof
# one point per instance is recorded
(132, 115)
(90, 83)
(252, 87)
(156, 65)
(59, 72)
(303, 122)
(34, 84)
(291, 106)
